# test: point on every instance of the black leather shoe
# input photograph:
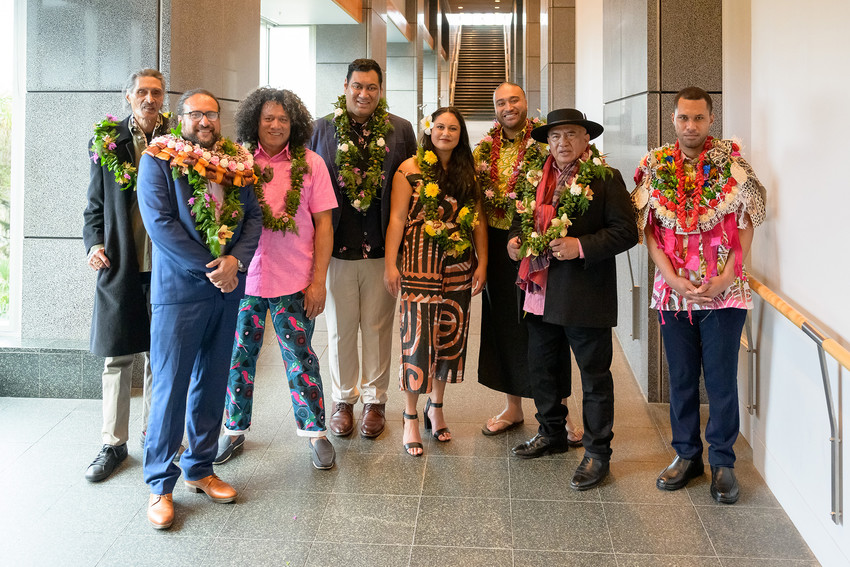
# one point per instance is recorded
(724, 485)
(590, 472)
(679, 473)
(106, 462)
(538, 446)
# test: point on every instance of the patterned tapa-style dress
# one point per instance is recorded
(436, 290)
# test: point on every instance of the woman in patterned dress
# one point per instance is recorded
(436, 278)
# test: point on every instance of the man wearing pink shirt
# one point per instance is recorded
(287, 274)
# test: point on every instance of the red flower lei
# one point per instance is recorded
(496, 151)
(688, 207)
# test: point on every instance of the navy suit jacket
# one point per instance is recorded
(400, 140)
(180, 254)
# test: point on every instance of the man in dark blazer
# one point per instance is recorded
(195, 298)
(119, 250)
(357, 299)
(574, 296)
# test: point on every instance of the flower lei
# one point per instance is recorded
(227, 164)
(497, 201)
(574, 201)
(691, 201)
(299, 168)
(453, 238)
(361, 186)
(103, 150)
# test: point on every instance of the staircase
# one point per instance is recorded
(480, 69)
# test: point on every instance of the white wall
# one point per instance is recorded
(589, 97)
(785, 88)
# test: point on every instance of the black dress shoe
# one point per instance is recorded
(724, 485)
(590, 472)
(679, 473)
(538, 446)
(106, 462)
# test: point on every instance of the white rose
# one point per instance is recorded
(223, 162)
(381, 143)
(207, 156)
(240, 167)
(575, 189)
(343, 148)
(338, 112)
(597, 161)
(534, 234)
(171, 143)
(356, 203)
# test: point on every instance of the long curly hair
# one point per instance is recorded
(248, 116)
(459, 177)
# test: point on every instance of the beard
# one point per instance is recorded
(206, 145)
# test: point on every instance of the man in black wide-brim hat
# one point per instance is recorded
(567, 232)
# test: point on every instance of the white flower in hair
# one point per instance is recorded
(426, 124)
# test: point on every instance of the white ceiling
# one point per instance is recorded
(304, 12)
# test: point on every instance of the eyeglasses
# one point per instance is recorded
(196, 115)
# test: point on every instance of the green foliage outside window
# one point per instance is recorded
(5, 199)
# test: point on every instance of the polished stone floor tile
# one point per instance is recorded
(46, 548)
(753, 532)
(481, 477)
(371, 473)
(425, 556)
(634, 560)
(233, 549)
(290, 471)
(547, 479)
(559, 526)
(93, 508)
(274, 515)
(755, 562)
(464, 522)
(324, 554)
(656, 529)
(195, 515)
(571, 558)
(634, 481)
(753, 490)
(638, 444)
(468, 441)
(372, 518)
(159, 549)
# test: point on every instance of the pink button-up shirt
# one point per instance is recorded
(283, 262)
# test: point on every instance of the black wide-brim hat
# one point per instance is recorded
(564, 116)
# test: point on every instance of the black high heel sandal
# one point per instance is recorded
(412, 444)
(436, 434)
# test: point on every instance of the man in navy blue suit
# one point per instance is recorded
(198, 279)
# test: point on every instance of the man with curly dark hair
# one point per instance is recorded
(362, 145)
(287, 275)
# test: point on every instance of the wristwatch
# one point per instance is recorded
(240, 266)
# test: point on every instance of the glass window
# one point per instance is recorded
(288, 60)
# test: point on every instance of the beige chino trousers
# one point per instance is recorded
(117, 380)
(358, 301)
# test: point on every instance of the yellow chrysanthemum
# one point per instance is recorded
(430, 230)
(430, 157)
(462, 213)
(432, 189)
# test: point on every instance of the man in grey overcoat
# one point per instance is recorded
(119, 250)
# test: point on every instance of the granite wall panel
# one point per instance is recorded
(89, 46)
(691, 42)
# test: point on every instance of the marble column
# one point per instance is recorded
(531, 50)
(557, 54)
(78, 57)
(652, 49)
(339, 45)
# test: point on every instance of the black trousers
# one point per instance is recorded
(593, 350)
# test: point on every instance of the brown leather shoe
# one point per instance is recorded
(373, 421)
(160, 511)
(342, 419)
(214, 487)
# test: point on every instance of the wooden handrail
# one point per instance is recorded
(830, 345)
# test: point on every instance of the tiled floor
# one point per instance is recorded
(464, 503)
